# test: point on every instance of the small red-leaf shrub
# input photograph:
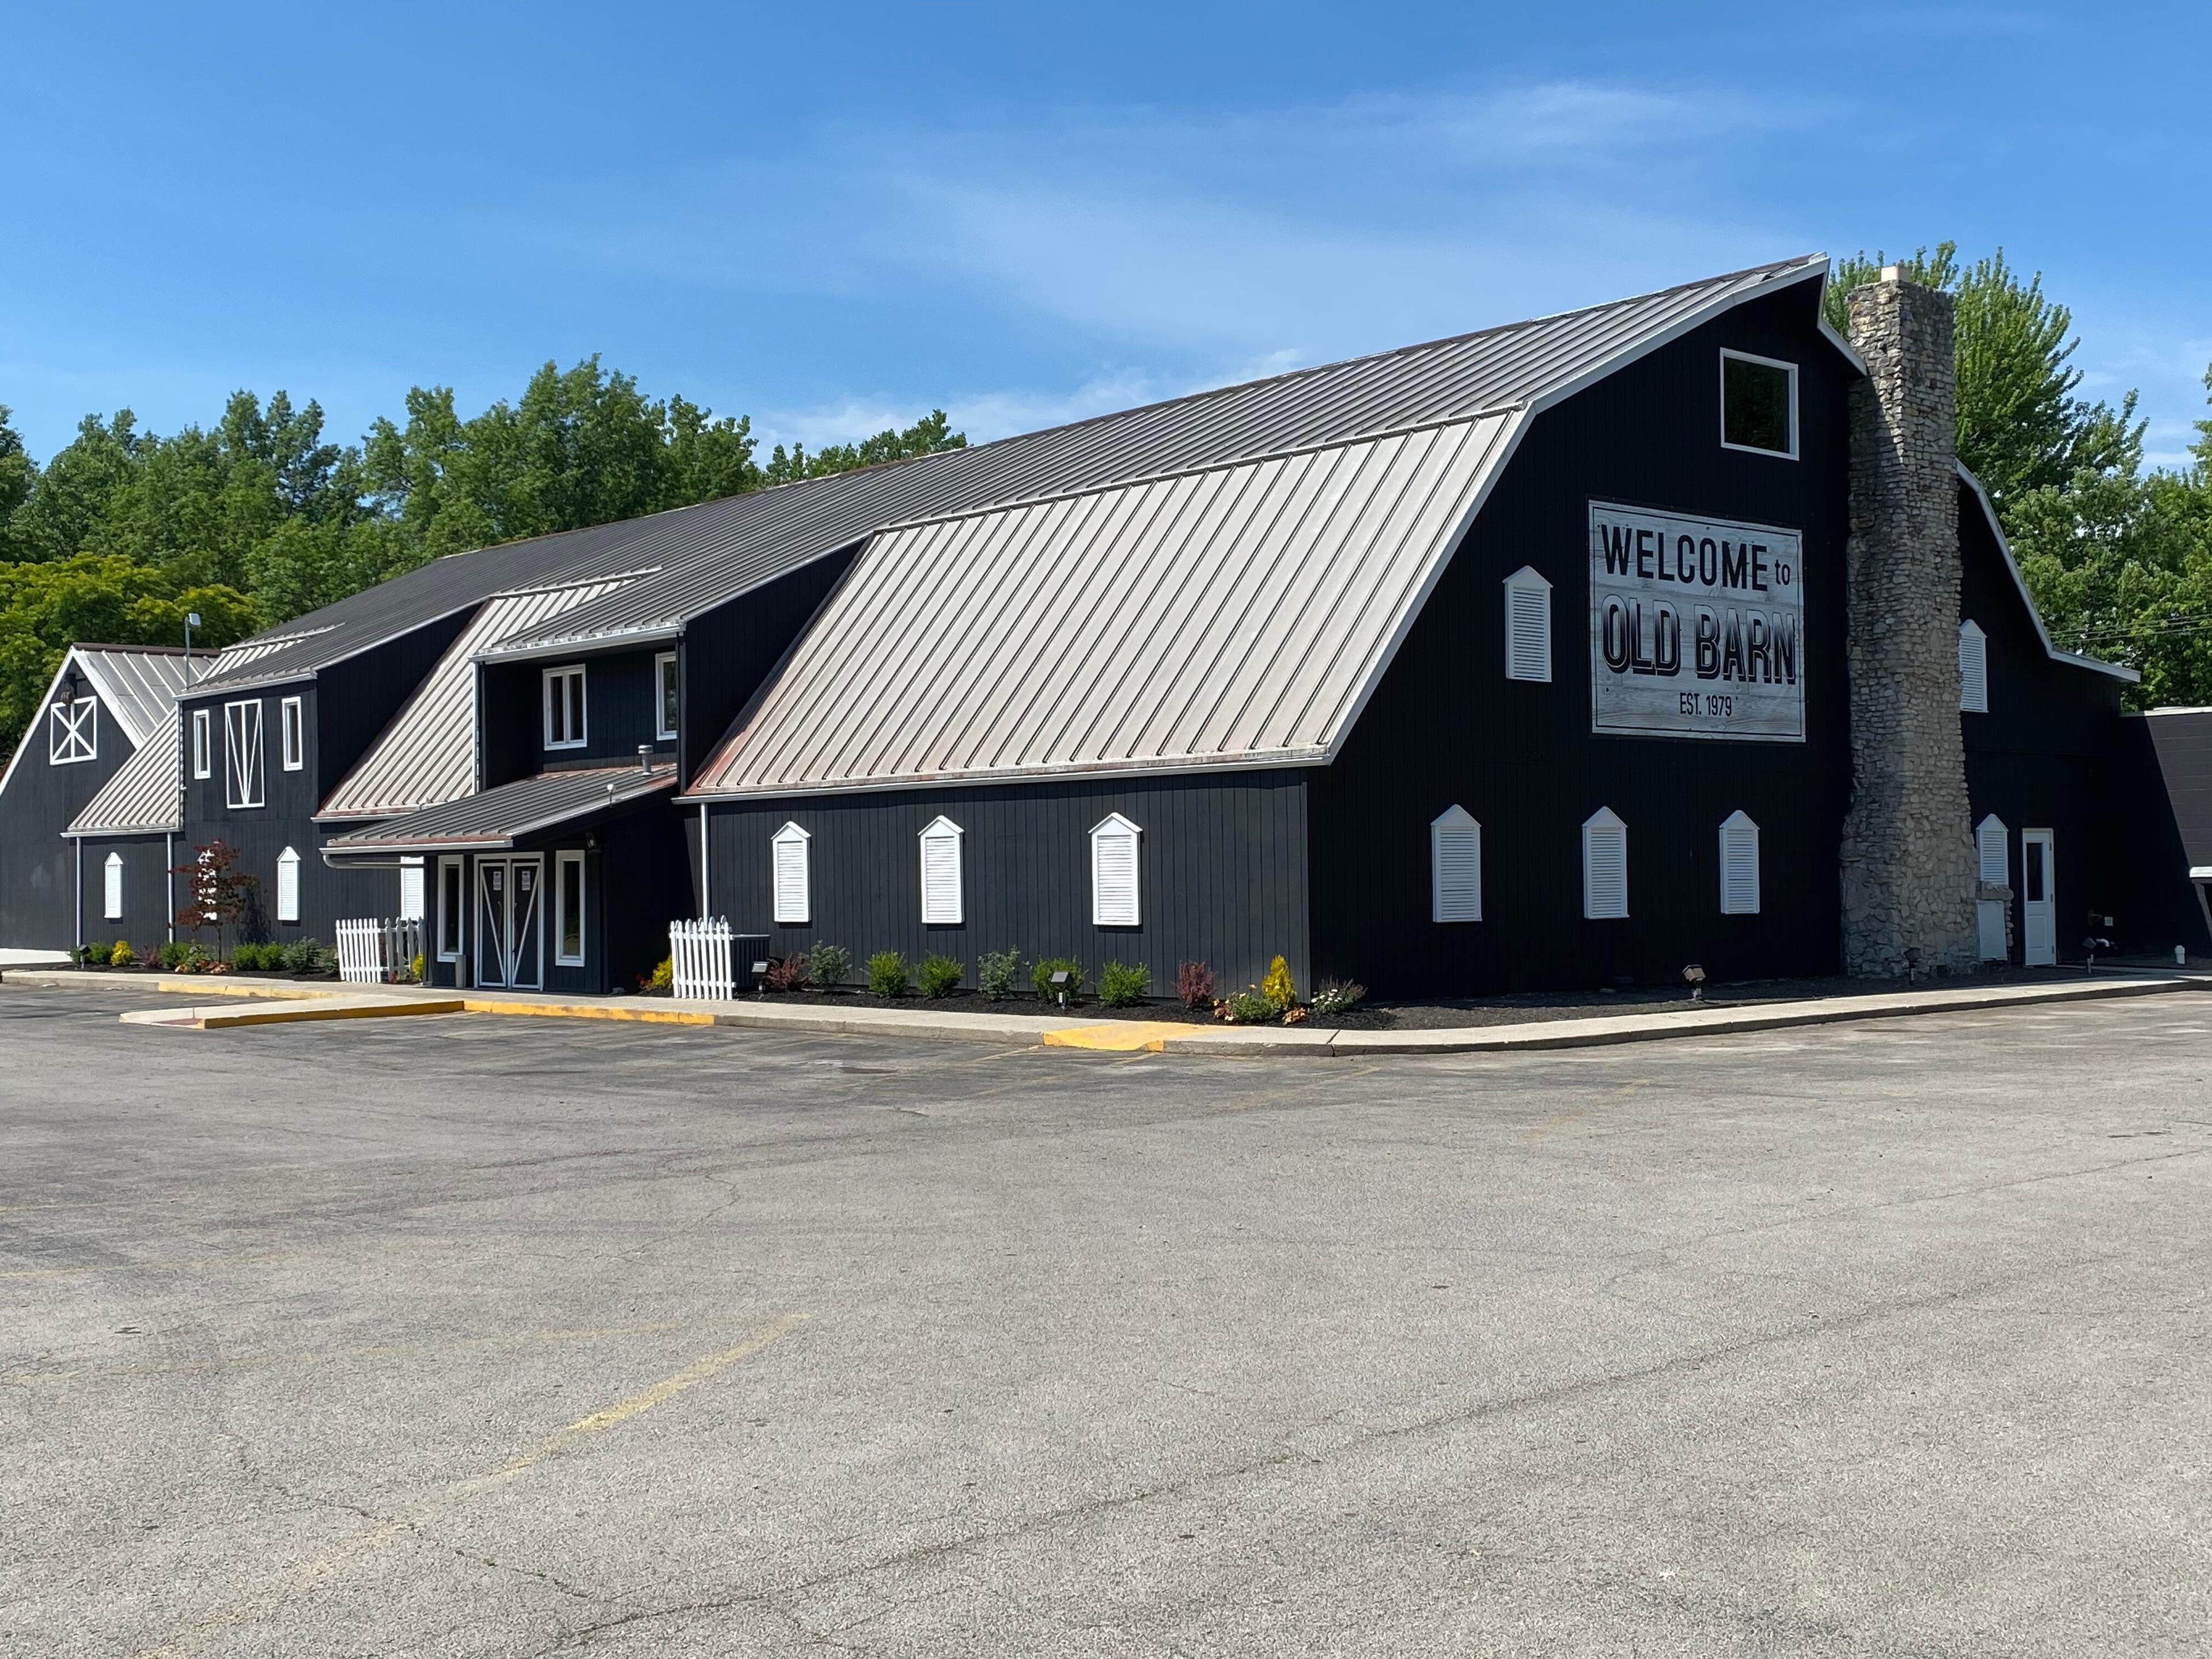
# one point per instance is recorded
(1195, 985)
(788, 974)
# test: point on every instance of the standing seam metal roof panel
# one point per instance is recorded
(143, 797)
(139, 685)
(1297, 575)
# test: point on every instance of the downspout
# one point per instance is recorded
(705, 908)
(79, 900)
(169, 846)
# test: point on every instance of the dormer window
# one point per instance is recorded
(564, 707)
(1758, 404)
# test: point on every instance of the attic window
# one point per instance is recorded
(1758, 404)
(73, 732)
(1974, 670)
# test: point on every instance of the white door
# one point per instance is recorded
(1990, 922)
(2038, 909)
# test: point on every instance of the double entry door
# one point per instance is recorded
(510, 923)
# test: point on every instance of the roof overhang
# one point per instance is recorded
(418, 831)
(582, 644)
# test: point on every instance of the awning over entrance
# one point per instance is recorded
(511, 815)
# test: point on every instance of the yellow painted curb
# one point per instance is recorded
(1123, 1037)
(588, 1011)
(381, 1009)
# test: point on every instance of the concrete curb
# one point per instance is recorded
(292, 1012)
(1112, 1037)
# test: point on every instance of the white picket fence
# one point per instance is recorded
(699, 953)
(374, 949)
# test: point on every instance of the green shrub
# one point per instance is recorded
(996, 971)
(121, 956)
(245, 958)
(174, 953)
(1249, 1007)
(941, 975)
(829, 964)
(303, 956)
(1123, 985)
(888, 975)
(96, 953)
(1338, 996)
(1041, 976)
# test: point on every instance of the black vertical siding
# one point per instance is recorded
(620, 711)
(729, 650)
(1222, 867)
(146, 908)
(2154, 826)
(1445, 727)
(38, 867)
(2042, 758)
(357, 698)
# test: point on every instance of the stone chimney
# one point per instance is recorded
(1908, 855)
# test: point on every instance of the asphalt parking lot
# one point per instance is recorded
(469, 1336)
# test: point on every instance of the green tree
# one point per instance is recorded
(18, 472)
(2021, 427)
(929, 435)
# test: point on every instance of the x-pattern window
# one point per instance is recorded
(73, 732)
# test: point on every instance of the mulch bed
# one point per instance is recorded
(1520, 1008)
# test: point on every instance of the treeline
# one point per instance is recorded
(2118, 555)
(260, 517)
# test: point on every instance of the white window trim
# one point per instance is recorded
(203, 744)
(801, 912)
(1740, 820)
(942, 910)
(1973, 688)
(111, 888)
(287, 885)
(1791, 454)
(1604, 819)
(561, 958)
(1453, 819)
(2004, 851)
(553, 676)
(1528, 580)
(662, 664)
(292, 732)
(1114, 827)
(460, 911)
(240, 792)
(73, 732)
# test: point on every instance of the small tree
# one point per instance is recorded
(215, 893)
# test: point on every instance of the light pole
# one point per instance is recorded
(191, 621)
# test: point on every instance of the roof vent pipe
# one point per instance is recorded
(645, 757)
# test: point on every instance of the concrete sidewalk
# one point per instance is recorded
(310, 1000)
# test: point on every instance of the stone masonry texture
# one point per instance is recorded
(1908, 869)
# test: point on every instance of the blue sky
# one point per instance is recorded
(833, 217)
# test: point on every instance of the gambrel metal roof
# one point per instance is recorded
(144, 797)
(500, 817)
(1232, 616)
(427, 754)
(710, 553)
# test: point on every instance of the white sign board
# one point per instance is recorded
(1697, 626)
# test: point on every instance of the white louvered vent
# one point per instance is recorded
(794, 898)
(287, 885)
(1739, 866)
(1456, 866)
(1528, 626)
(1605, 867)
(940, 874)
(112, 909)
(1992, 848)
(1113, 873)
(410, 890)
(1974, 670)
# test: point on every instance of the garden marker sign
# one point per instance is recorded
(1697, 626)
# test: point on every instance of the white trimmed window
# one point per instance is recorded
(1605, 867)
(1113, 900)
(451, 908)
(1528, 626)
(1758, 404)
(666, 705)
(287, 885)
(410, 890)
(242, 754)
(1456, 867)
(794, 898)
(564, 707)
(1973, 669)
(293, 726)
(940, 874)
(1992, 851)
(113, 909)
(1739, 866)
(569, 909)
(73, 732)
(203, 761)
